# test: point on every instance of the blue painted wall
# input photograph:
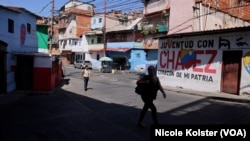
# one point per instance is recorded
(120, 45)
(138, 58)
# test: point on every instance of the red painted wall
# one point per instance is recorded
(42, 79)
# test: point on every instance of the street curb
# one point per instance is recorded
(209, 95)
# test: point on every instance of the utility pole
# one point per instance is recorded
(104, 29)
(52, 26)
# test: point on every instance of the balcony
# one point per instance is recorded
(154, 28)
(162, 28)
(156, 6)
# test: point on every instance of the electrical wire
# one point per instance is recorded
(127, 5)
(45, 7)
(121, 5)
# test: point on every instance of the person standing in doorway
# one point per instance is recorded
(152, 85)
(85, 76)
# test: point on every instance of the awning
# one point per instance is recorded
(96, 49)
(31, 54)
(118, 49)
(108, 59)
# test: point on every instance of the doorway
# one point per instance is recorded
(24, 72)
(231, 71)
(3, 71)
(3, 78)
(120, 63)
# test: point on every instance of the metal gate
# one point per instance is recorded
(231, 71)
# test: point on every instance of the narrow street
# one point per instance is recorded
(108, 111)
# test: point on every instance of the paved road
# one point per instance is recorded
(107, 111)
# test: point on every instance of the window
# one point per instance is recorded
(89, 8)
(10, 26)
(28, 28)
(99, 39)
(94, 21)
(138, 55)
(100, 20)
(97, 56)
(239, 2)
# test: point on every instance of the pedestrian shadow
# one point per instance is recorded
(65, 115)
(208, 111)
(89, 89)
(63, 82)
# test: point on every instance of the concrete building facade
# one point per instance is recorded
(211, 61)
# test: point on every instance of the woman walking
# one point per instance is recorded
(152, 85)
(85, 76)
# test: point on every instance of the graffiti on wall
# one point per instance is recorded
(246, 62)
(197, 56)
(235, 42)
(238, 42)
(177, 56)
(188, 59)
(22, 34)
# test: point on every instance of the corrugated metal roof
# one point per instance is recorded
(235, 8)
(217, 31)
(123, 27)
(135, 22)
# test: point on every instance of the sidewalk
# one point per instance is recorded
(244, 98)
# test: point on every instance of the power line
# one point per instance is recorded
(45, 7)
(114, 4)
(121, 5)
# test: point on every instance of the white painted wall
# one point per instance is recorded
(207, 60)
(43, 61)
(13, 39)
(245, 83)
(206, 18)
(71, 30)
(175, 76)
(79, 5)
(156, 5)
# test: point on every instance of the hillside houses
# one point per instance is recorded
(159, 18)
(131, 39)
